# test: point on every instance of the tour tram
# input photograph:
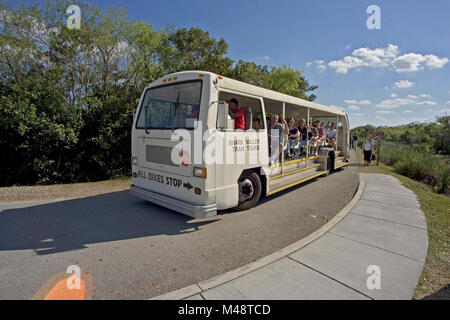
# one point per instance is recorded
(187, 155)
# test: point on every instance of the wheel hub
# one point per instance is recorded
(246, 190)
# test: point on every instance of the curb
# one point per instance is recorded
(194, 289)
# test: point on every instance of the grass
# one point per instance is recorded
(63, 191)
(436, 272)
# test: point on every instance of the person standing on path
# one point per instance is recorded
(355, 141)
(368, 149)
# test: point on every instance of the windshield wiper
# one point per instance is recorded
(146, 113)
(176, 105)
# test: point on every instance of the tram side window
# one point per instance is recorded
(253, 116)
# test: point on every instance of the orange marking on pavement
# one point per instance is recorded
(61, 292)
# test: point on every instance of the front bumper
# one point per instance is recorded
(175, 204)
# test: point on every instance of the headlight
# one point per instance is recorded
(134, 160)
(200, 172)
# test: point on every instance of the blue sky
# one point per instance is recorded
(394, 75)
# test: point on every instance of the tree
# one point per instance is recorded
(249, 72)
(194, 49)
(67, 96)
(289, 81)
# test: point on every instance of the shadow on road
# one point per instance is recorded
(71, 224)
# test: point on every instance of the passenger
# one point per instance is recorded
(321, 131)
(309, 127)
(275, 134)
(195, 112)
(293, 136)
(236, 114)
(256, 124)
(315, 139)
(310, 135)
(331, 135)
(303, 134)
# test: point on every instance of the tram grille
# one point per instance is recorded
(160, 155)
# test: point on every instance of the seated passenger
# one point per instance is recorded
(195, 112)
(275, 133)
(331, 135)
(303, 130)
(315, 139)
(256, 124)
(309, 127)
(293, 136)
(321, 130)
(236, 114)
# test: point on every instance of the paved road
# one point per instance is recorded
(136, 250)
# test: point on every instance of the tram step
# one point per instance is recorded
(280, 183)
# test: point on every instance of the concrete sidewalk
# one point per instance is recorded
(384, 229)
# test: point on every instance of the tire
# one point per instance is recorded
(250, 188)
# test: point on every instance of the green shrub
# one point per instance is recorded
(418, 165)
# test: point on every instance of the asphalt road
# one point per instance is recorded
(133, 249)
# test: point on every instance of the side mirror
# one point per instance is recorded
(222, 115)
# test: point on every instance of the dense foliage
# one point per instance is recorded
(67, 97)
(420, 151)
(431, 137)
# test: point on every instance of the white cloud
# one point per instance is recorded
(402, 84)
(267, 58)
(407, 111)
(427, 103)
(434, 62)
(447, 111)
(411, 62)
(362, 102)
(365, 57)
(393, 103)
(384, 112)
(387, 57)
(320, 65)
(356, 115)
(354, 108)
(448, 102)
(411, 96)
(393, 95)
(425, 95)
